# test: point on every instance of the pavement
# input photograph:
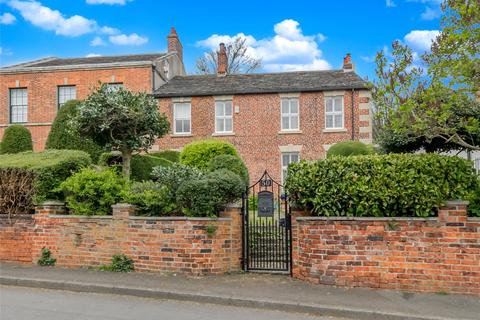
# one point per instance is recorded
(250, 290)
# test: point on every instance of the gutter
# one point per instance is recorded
(11, 70)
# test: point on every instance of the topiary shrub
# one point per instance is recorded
(16, 138)
(170, 155)
(232, 163)
(91, 192)
(151, 199)
(199, 153)
(380, 185)
(49, 168)
(65, 135)
(349, 148)
(208, 195)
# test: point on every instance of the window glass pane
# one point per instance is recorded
(285, 123)
(294, 157)
(294, 106)
(285, 160)
(219, 109)
(186, 126)
(294, 122)
(329, 104)
(228, 125)
(178, 126)
(338, 104)
(182, 111)
(329, 121)
(18, 105)
(338, 121)
(220, 125)
(284, 106)
(228, 108)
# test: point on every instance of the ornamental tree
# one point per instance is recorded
(122, 120)
(436, 109)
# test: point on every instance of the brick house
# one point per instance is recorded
(32, 92)
(272, 119)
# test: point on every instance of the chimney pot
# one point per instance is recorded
(222, 61)
(174, 44)
(348, 65)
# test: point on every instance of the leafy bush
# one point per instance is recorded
(17, 191)
(349, 148)
(91, 192)
(120, 263)
(386, 185)
(174, 176)
(474, 206)
(232, 163)
(46, 258)
(65, 135)
(141, 165)
(170, 155)
(151, 199)
(16, 138)
(198, 153)
(208, 195)
(50, 168)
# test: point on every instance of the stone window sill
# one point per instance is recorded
(221, 134)
(179, 135)
(334, 130)
(290, 132)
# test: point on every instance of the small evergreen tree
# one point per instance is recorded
(16, 138)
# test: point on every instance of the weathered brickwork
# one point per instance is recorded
(257, 129)
(43, 90)
(171, 244)
(434, 255)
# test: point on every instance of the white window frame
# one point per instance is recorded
(23, 105)
(60, 94)
(290, 114)
(334, 113)
(285, 167)
(189, 118)
(225, 117)
(476, 164)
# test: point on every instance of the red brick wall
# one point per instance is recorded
(435, 255)
(169, 244)
(16, 238)
(257, 125)
(42, 93)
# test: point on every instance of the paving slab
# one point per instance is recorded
(278, 292)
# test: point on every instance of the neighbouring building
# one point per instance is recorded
(273, 119)
(32, 92)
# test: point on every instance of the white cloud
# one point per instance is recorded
(431, 13)
(421, 40)
(97, 41)
(128, 40)
(91, 55)
(109, 2)
(5, 52)
(288, 50)
(53, 20)
(109, 30)
(390, 3)
(7, 18)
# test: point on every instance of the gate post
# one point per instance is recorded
(295, 213)
(234, 213)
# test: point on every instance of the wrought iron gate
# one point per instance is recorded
(267, 235)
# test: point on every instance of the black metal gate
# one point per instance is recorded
(267, 235)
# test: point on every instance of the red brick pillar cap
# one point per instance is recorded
(457, 203)
(233, 205)
(122, 206)
(51, 203)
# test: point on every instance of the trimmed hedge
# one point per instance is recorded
(170, 155)
(64, 135)
(380, 185)
(199, 153)
(141, 165)
(232, 163)
(151, 199)
(349, 148)
(50, 169)
(16, 138)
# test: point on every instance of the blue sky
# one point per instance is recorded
(290, 35)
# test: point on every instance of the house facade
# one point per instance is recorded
(31, 93)
(272, 119)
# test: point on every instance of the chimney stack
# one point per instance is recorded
(348, 64)
(222, 61)
(174, 44)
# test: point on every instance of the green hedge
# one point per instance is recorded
(349, 148)
(64, 135)
(232, 163)
(16, 138)
(170, 155)
(199, 153)
(51, 168)
(380, 185)
(141, 165)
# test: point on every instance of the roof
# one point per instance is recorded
(301, 81)
(85, 62)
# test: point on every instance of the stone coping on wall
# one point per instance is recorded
(366, 219)
(172, 218)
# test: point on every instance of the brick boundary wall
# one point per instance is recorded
(158, 244)
(414, 254)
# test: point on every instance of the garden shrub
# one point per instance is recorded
(91, 192)
(151, 199)
(232, 163)
(17, 191)
(16, 138)
(208, 195)
(50, 169)
(174, 176)
(380, 185)
(349, 148)
(65, 135)
(170, 155)
(120, 263)
(141, 165)
(199, 153)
